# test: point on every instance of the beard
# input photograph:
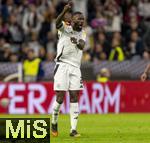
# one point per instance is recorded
(77, 27)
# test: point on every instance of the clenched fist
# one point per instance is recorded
(144, 77)
(73, 40)
(68, 6)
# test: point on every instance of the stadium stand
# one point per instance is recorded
(116, 31)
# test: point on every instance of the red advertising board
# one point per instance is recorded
(116, 97)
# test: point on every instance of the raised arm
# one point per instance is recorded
(60, 17)
(144, 76)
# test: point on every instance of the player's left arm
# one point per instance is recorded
(81, 44)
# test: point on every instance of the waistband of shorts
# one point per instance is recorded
(62, 62)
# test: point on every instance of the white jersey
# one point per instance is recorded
(68, 52)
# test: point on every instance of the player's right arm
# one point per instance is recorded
(144, 76)
(60, 17)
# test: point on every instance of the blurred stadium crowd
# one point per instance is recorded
(116, 29)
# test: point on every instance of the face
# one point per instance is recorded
(30, 55)
(105, 72)
(115, 42)
(98, 48)
(133, 23)
(10, 2)
(13, 19)
(134, 36)
(117, 35)
(2, 42)
(101, 37)
(32, 8)
(42, 51)
(14, 58)
(78, 22)
(50, 57)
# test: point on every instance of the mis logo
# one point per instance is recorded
(25, 130)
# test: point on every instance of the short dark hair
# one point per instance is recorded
(77, 13)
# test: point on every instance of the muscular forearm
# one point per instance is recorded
(59, 19)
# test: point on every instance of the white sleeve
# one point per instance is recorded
(62, 26)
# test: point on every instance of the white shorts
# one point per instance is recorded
(67, 77)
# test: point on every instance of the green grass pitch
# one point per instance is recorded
(109, 128)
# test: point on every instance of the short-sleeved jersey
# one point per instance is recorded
(68, 52)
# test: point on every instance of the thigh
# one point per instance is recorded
(61, 77)
(75, 79)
